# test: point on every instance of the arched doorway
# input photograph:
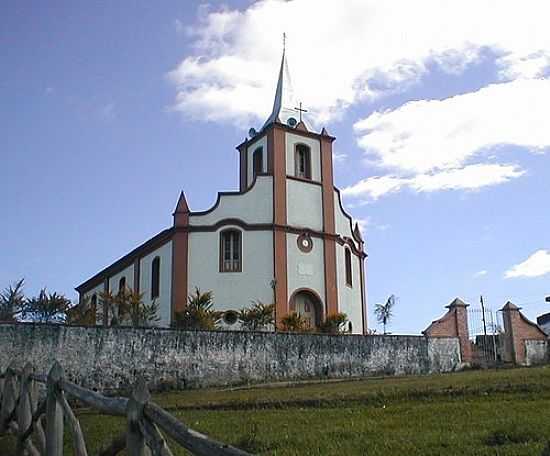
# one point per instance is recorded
(307, 304)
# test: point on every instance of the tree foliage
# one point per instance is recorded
(334, 324)
(82, 314)
(294, 322)
(12, 301)
(384, 312)
(46, 307)
(127, 308)
(259, 316)
(199, 313)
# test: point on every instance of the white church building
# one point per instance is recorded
(283, 238)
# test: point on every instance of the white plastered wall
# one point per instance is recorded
(88, 295)
(305, 270)
(253, 206)
(165, 296)
(315, 147)
(349, 298)
(262, 142)
(341, 222)
(304, 203)
(114, 280)
(232, 290)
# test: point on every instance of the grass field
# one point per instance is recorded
(505, 412)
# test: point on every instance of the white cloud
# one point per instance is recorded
(538, 264)
(340, 55)
(481, 273)
(428, 135)
(339, 158)
(472, 177)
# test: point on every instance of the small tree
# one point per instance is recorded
(294, 322)
(198, 313)
(334, 324)
(131, 306)
(384, 312)
(107, 308)
(46, 307)
(127, 306)
(257, 317)
(12, 301)
(82, 313)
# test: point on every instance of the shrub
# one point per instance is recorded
(334, 324)
(12, 300)
(46, 307)
(259, 316)
(82, 314)
(199, 313)
(294, 322)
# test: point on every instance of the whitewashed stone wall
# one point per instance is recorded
(112, 358)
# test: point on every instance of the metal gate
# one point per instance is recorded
(486, 334)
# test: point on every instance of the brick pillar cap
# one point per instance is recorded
(510, 306)
(457, 303)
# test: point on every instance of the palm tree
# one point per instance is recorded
(384, 312)
(12, 300)
(199, 313)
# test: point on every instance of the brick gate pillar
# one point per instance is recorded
(518, 329)
(454, 324)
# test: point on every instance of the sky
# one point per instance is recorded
(440, 109)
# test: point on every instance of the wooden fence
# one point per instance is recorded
(38, 424)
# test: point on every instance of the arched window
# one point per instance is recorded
(302, 161)
(155, 278)
(121, 284)
(257, 162)
(349, 279)
(230, 251)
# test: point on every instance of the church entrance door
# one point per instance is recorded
(308, 306)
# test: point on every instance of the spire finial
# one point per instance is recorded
(284, 42)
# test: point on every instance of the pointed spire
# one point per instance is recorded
(301, 126)
(181, 214)
(284, 104)
(182, 207)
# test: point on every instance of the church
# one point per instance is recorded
(283, 237)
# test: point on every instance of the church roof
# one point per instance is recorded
(284, 104)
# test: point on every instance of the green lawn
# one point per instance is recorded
(504, 412)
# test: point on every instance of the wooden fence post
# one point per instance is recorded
(135, 440)
(8, 398)
(54, 413)
(24, 413)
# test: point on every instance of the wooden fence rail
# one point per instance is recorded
(38, 424)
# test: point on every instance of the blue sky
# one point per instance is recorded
(109, 110)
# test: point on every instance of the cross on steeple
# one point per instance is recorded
(300, 110)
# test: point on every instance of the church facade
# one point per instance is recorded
(282, 238)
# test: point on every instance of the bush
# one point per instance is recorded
(294, 322)
(199, 313)
(259, 316)
(334, 324)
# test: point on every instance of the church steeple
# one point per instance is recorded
(284, 104)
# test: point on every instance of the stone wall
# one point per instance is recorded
(536, 352)
(112, 358)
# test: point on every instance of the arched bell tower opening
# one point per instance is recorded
(308, 305)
